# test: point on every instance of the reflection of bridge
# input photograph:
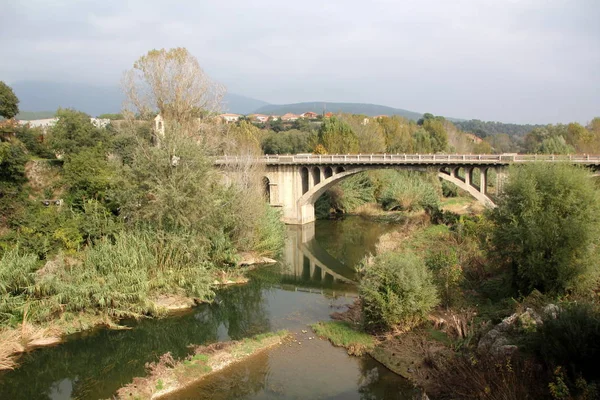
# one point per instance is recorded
(295, 182)
(310, 261)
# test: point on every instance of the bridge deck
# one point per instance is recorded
(410, 159)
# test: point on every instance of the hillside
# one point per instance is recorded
(35, 96)
(31, 115)
(352, 108)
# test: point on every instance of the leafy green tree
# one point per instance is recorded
(12, 176)
(9, 103)
(398, 134)
(337, 137)
(74, 132)
(437, 133)
(371, 138)
(422, 141)
(555, 145)
(546, 227)
(34, 141)
(89, 175)
(288, 142)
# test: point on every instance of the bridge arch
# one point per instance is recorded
(307, 200)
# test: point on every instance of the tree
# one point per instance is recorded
(369, 133)
(9, 103)
(337, 137)
(74, 132)
(398, 134)
(172, 83)
(288, 142)
(546, 227)
(437, 132)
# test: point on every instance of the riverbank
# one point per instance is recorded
(31, 336)
(168, 375)
(413, 355)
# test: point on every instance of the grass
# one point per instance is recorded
(168, 375)
(343, 334)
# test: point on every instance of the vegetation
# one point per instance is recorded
(287, 142)
(396, 289)
(168, 375)
(124, 218)
(486, 128)
(342, 334)
(546, 228)
(9, 103)
(568, 340)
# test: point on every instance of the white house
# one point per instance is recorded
(229, 118)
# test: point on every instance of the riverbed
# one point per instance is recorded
(315, 276)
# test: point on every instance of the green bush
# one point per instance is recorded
(396, 289)
(449, 189)
(572, 341)
(546, 227)
(33, 139)
(447, 273)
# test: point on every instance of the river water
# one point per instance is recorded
(314, 278)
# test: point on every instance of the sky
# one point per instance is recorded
(522, 61)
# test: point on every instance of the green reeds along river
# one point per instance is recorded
(314, 278)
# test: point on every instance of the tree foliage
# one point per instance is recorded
(172, 83)
(337, 137)
(287, 142)
(9, 103)
(396, 289)
(74, 132)
(546, 227)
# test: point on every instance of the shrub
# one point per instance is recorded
(489, 378)
(572, 341)
(409, 191)
(546, 227)
(447, 273)
(396, 289)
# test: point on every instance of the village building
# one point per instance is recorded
(230, 118)
(309, 115)
(289, 117)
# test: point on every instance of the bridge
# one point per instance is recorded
(295, 182)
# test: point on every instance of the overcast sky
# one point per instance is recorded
(534, 61)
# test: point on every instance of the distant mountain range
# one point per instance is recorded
(46, 97)
(95, 100)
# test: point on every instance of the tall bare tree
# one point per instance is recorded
(172, 83)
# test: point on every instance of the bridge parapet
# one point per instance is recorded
(410, 159)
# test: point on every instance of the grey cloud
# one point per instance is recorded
(509, 60)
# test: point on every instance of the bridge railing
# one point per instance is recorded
(408, 158)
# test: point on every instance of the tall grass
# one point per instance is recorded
(119, 278)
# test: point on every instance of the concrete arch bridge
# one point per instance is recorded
(295, 182)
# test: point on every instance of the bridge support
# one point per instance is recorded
(295, 188)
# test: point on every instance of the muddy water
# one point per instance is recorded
(314, 278)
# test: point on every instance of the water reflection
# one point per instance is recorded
(304, 288)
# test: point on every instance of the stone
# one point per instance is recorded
(551, 310)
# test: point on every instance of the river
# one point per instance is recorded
(314, 277)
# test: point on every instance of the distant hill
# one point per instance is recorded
(35, 96)
(42, 96)
(352, 108)
(31, 115)
(237, 104)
